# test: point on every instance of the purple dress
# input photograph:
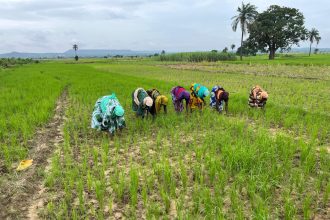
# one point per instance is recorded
(178, 95)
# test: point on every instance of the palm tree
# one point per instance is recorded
(75, 47)
(232, 47)
(246, 15)
(313, 35)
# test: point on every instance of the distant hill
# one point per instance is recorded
(81, 53)
(306, 50)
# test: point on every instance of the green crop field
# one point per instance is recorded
(255, 164)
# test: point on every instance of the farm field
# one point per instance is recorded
(254, 164)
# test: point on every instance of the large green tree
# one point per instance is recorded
(277, 28)
(246, 16)
(313, 35)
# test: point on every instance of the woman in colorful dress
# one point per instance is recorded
(179, 94)
(197, 94)
(159, 101)
(108, 114)
(141, 102)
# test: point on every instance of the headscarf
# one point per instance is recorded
(119, 111)
(160, 100)
(147, 101)
(136, 100)
(264, 95)
(203, 92)
(105, 101)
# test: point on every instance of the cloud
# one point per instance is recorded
(49, 25)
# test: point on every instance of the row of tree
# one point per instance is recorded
(276, 28)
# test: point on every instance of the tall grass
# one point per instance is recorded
(197, 57)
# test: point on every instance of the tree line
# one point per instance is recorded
(277, 28)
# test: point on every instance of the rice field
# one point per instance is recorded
(248, 164)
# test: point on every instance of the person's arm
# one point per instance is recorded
(217, 104)
(136, 100)
(226, 107)
(254, 93)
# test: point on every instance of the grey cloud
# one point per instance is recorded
(50, 25)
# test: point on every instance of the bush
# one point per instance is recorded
(197, 57)
(10, 62)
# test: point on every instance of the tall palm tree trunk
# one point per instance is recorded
(241, 55)
(310, 48)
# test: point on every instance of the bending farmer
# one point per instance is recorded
(159, 101)
(179, 94)
(258, 97)
(197, 95)
(108, 114)
(141, 102)
(219, 99)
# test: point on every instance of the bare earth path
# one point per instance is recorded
(21, 195)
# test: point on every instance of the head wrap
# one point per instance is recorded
(119, 111)
(264, 95)
(203, 92)
(147, 101)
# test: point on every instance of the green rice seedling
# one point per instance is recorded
(80, 191)
(166, 199)
(89, 181)
(99, 188)
(236, 204)
(307, 209)
(120, 188)
(183, 175)
(74, 214)
(134, 185)
(289, 209)
(326, 195)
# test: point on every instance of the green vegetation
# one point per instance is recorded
(11, 62)
(247, 164)
(197, 57)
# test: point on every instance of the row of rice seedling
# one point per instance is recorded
(28, 97)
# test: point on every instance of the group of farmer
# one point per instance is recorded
(108, 114)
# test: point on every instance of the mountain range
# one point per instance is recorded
(80, 53)
(109, 53)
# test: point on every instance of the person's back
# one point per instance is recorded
(179, 94)
(141, 102)
(258, 97)
(108, 114)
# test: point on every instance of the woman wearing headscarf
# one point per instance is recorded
(179, 94)
(159, 101)
(141, 102)
(108, 114)
(258, 97)
(219, 99)
(197, 95)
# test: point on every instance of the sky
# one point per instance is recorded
(170, 25)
